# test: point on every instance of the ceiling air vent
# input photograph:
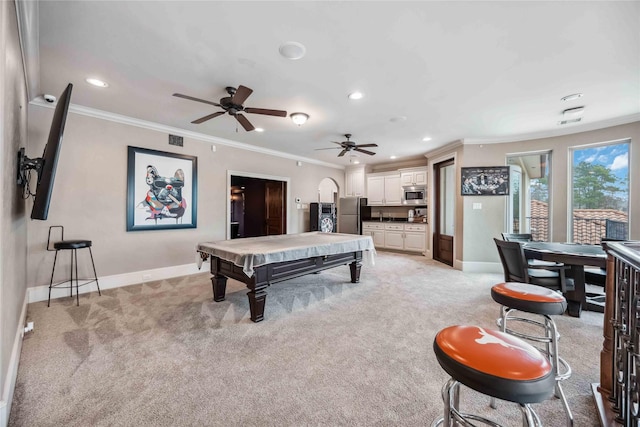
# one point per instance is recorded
(566, 122)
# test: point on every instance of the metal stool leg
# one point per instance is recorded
(71, 276)
(75, 254)
(53, 270)
(94, 271)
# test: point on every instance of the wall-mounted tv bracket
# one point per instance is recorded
(26, 164)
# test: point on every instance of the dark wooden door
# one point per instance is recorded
(444, 215)
(275, 208)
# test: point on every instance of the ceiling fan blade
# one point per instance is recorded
(343, 152)
(367, 145)
(208, 117)
(179, 95)
(241, 95)
(279, 113)
(329, 148)
(371, 153)
(336, 142)
(244, 122)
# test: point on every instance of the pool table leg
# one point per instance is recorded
(219, 283)
(257, 300)
(355, 267)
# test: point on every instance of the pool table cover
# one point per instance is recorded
(253, 252)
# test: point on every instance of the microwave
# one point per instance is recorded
(414, 195)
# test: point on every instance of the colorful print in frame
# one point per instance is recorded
(161, 190)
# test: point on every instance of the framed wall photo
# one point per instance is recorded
(161, 190)
(485, 181)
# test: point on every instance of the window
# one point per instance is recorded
(600, 193)
(528, 210)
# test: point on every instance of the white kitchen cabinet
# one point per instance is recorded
(394, 236)
(355, 182)
(375, 190)
(376, 231)
(415, 237)
(416, 177)
(384, 190)
(392, 190)
(397, 235)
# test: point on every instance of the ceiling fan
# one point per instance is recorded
(348, 145)
(232, 105)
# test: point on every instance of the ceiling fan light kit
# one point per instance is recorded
(299, 118)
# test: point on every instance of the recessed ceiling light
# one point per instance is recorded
(426, 138)
(573, 111)
(292, 50)
(392, 157)
(356, 95)
(97, 82)
(259, 130)
(572, 97)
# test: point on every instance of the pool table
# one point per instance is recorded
(259, 262)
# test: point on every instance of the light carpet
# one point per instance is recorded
(329, 352)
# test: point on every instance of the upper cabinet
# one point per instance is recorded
(384, 190)
(416, 176)
(354, 182)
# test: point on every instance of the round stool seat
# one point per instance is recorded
(529, 298)
(72, 244)
(495, 363)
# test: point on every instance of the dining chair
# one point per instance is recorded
(518, 269)
(517, 237)
(528, 237)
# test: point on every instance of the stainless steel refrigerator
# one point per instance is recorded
(351, 212)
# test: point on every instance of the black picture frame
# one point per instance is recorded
(485, 181)
(162, 190)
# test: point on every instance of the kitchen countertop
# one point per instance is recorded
(396, 220)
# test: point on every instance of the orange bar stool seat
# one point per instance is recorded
(493, 363)
(516, 298)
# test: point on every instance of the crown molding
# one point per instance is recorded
(119, 118)
(444, 149)
(570, 130)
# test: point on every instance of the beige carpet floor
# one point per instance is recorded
(329, 352)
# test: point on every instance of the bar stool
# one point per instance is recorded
(493, 363)
(523, 297)
(73, 246)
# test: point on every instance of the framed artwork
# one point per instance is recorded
(485, 181)
(162, 190)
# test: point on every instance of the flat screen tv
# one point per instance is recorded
(46, 165)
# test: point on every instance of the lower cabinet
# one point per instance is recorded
(398, 236)
(376, 231)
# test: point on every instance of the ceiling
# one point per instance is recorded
(471, 71)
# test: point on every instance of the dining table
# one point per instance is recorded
(576, 256)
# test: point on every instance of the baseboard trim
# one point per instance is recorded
(12, 371)
(481, 267)
(41, 293)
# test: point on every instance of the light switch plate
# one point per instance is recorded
(477, 206)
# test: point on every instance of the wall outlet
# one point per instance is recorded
(29, 327)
